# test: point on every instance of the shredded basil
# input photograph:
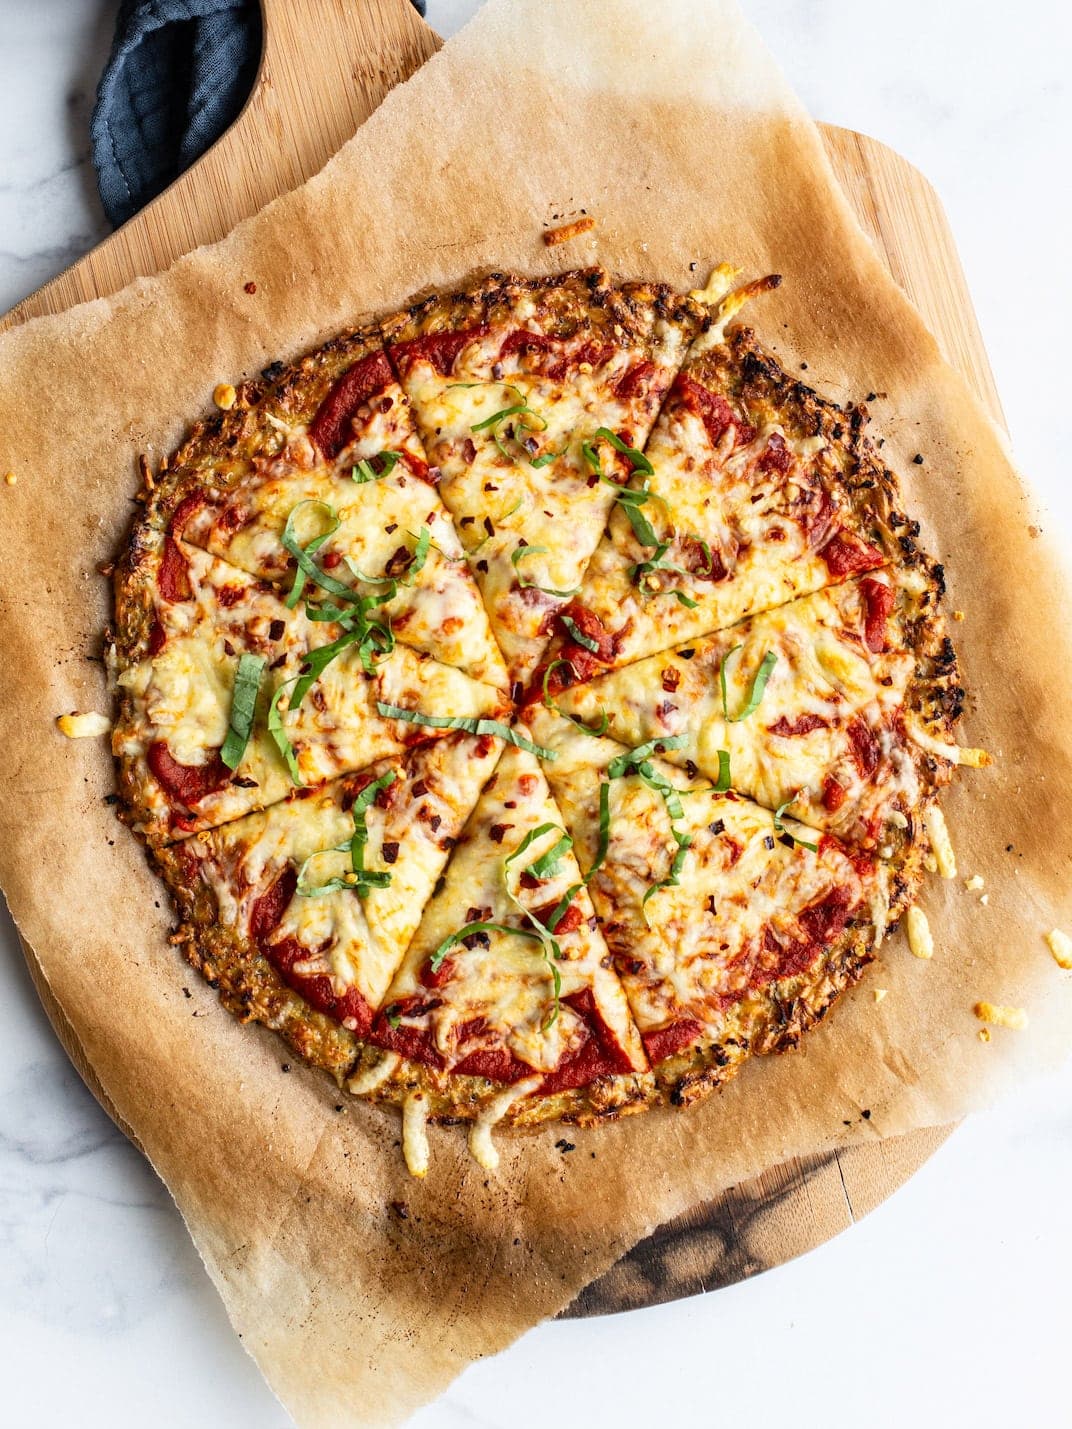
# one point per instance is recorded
(625, 762)
(628, 497)
(279, 734)
(759, 684)
(420, 555)
(243, 707)
(637, 459)
(636, 761)
(452, 941)
(550, 704)
(723, 771)
(472, 726)
(546, 866)
(359, 878)
(526, 550)
(781, 828)
(365, 471)
(303, 555)
(578, 636)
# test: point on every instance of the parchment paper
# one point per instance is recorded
(360, 1292)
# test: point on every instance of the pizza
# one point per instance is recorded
(536, 701)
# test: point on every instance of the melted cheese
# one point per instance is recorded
(481, 1146)
(438, 611)
(504, 981)
(350, 940)
(920, 939)
(824, 676)
(693, 950)
(1060, 945)
(375, 1076)
(502, 502)
(1000, 1016)
(415, 1134)
(747, 516)
(941, 843)
(182, 695)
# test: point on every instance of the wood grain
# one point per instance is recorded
(286, 132)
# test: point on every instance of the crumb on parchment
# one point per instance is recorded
(83, 726)
(920, 940)
(224, 396)
(554, 236)
(999, 1016)
(1060, 945)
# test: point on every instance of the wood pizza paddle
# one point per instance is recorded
(286, 132)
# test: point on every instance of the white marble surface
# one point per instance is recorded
(106, 1317)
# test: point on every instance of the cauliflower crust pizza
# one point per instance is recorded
(535, 701)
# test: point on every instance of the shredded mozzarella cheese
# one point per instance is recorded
(938, 833)
(83, 726)
(998, 1016)
(415, 1134)
(481, 1146)
(920, 941)
(1060, 945)
(375, 1076)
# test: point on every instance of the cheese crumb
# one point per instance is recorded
(1060, 945)
(958, 615)
(974, 883)
(225, 396)
(985, 900)
(973, 758)
(415, 1134)
(879, 993)
(984, 1034)
(10, 478)
(938, 833)
(920, 941)
(83, 726)
(998, 1016)
(554, 236)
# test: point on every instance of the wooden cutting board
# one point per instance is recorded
(286, 132)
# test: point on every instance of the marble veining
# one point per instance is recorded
(946, 1305)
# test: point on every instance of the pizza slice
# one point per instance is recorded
(323, 462)
(228, 698)
(756, 491)
(521, 389)
(731, 933)
(303, 911)
(831, 707)
(507, 980)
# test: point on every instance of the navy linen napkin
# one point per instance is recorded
(178, 74)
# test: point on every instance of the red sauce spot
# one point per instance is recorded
(496, 1063)
(820, 925)
(412, 1042)
(713, 410)
(570, 921)
(317, 990)
(173, 577)
(601, 1055)
(865, 749)
(834, 794)
(665, 1041)
(440, 349)
(185, 509)
(229, 595)
(330, 559)
(523, 340)
(267, 912)
(188, 783)
(803, 724)
(157, 638)
(704, 564)
(634, 382)
(878, 599)
(846, 555)
(331, 428)
(775, 456)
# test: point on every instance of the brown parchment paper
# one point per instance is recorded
(671, 124)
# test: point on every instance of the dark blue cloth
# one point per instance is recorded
(178, 75)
